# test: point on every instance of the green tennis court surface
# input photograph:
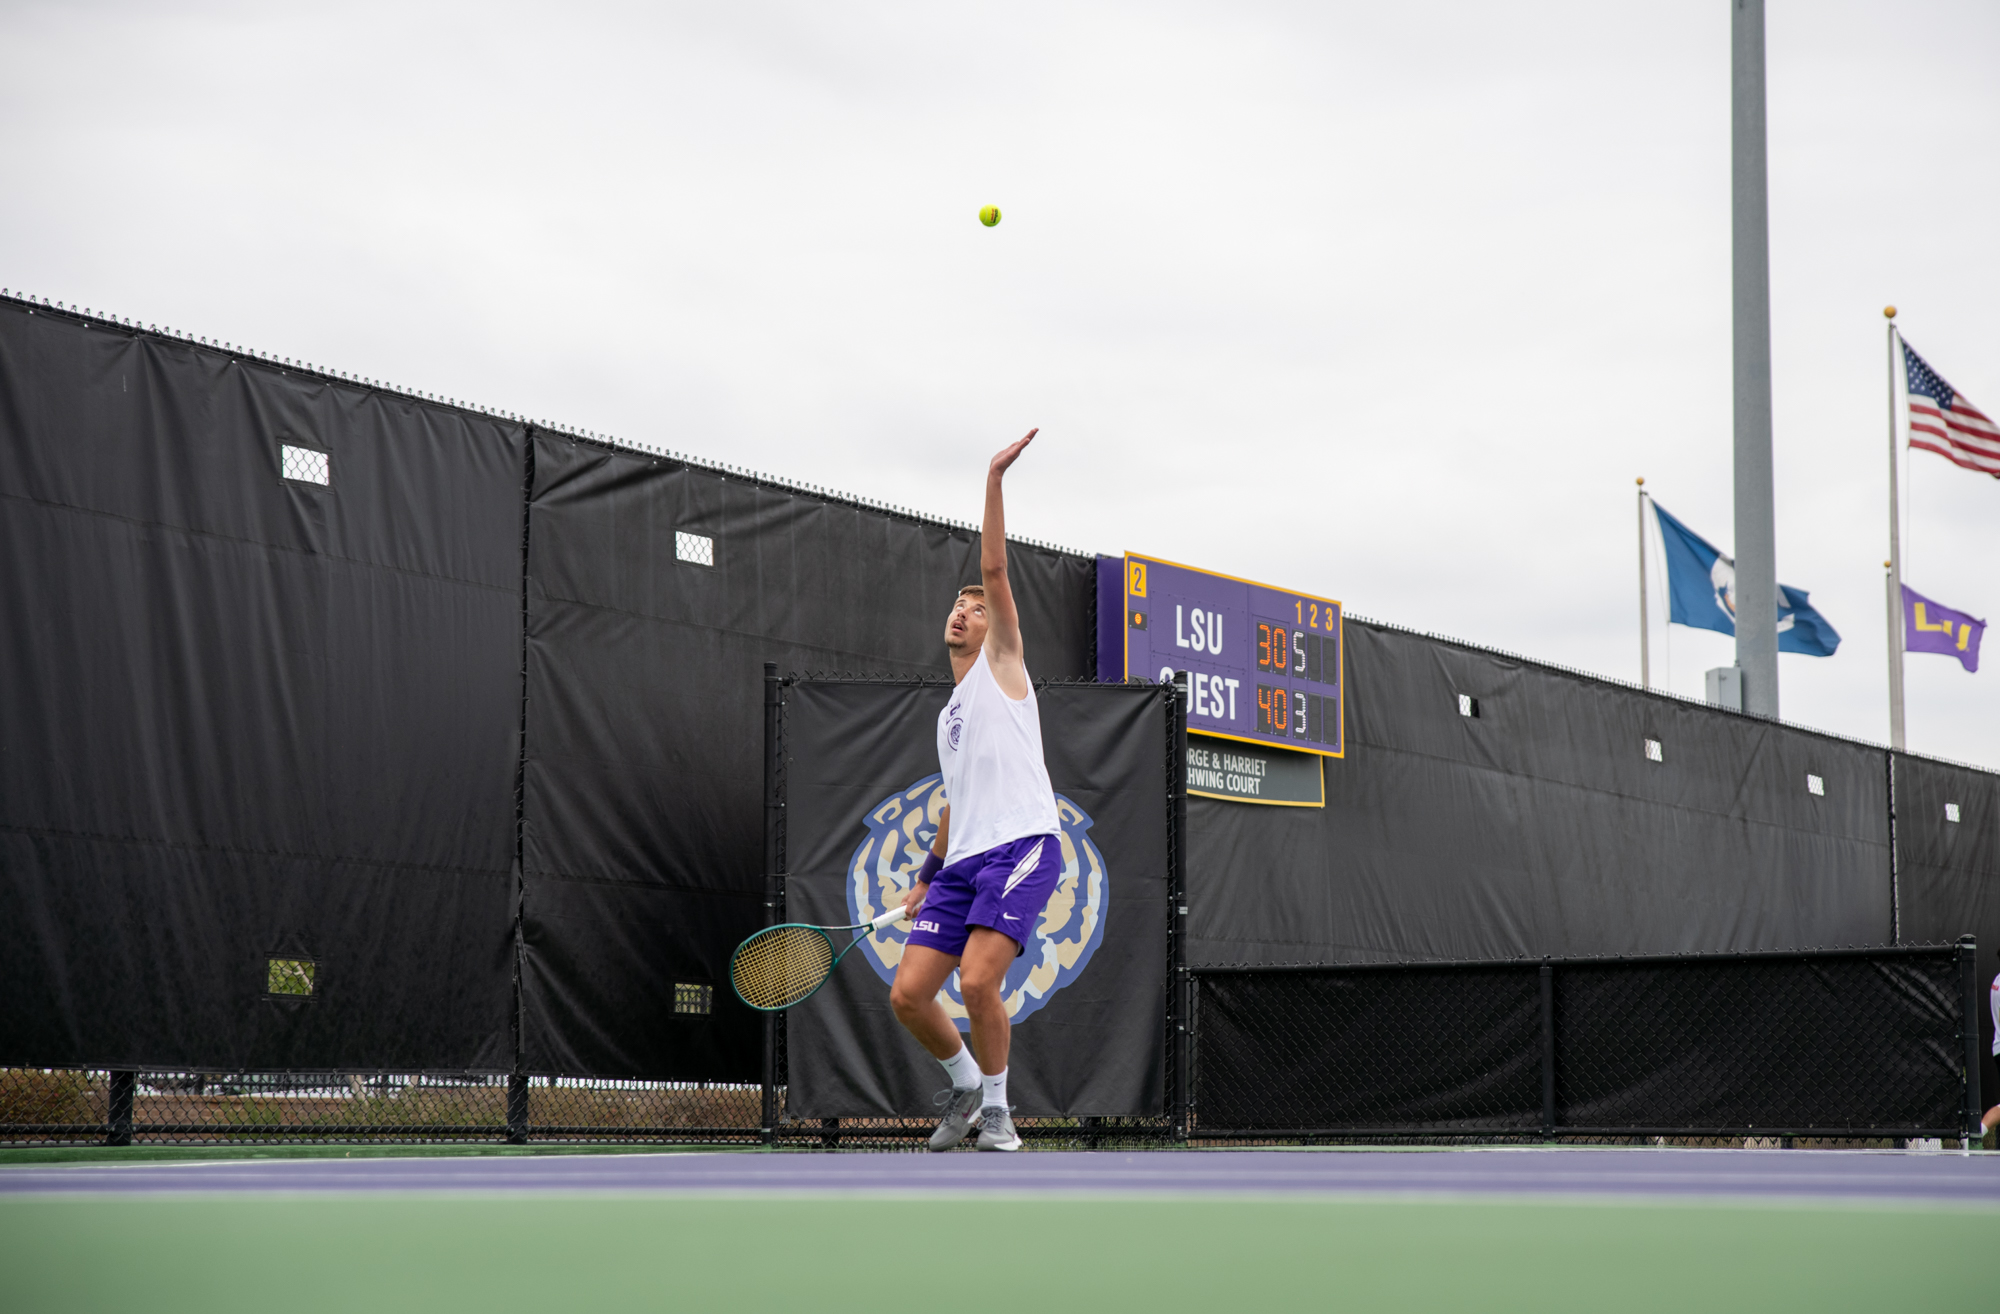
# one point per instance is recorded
(300, 1253)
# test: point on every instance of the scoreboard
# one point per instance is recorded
(1264, 664)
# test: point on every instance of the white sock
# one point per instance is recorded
(995, 1084)
(962, 1068)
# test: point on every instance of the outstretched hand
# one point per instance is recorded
(1008, 455)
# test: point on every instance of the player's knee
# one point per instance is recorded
(979, 985)
(906, 999)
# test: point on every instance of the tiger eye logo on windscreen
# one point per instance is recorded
(900, 830)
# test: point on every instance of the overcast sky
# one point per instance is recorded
(1387, 303)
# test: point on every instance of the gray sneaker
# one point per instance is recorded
(960, 1110)
(996, 1129)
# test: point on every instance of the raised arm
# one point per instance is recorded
(1003, 619)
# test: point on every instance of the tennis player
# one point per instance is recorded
(997, 854)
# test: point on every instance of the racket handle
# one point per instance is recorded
(895, 914)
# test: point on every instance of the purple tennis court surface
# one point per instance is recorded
(1744, 1174)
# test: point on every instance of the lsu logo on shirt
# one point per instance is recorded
(900, 830)
(954, 726)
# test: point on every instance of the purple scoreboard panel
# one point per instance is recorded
(1264, 664)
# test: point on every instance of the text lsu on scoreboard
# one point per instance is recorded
(1264, 664)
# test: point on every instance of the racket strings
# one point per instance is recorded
(778, 967)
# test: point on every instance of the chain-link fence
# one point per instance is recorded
(1863, 1044)
(1868, 1046)
(67, 1106)
(43, 1106)
(1430, 1049)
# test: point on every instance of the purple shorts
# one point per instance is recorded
(1003, 888)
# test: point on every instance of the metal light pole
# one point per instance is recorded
(1750, 271)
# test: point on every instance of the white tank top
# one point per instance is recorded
(990, 751)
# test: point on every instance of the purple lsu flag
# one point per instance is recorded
(1927, 627)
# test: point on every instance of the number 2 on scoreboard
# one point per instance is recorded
(1299, 610)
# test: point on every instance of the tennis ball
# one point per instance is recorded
(989, 215)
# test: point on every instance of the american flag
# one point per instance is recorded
(1943, 421)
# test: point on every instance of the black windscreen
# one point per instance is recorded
(1543, 827)
(251, 716)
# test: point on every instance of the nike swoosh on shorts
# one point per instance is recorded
(1023, 869)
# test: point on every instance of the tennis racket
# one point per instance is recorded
(782, 965)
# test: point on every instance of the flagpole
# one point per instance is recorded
(1645, 647)
(1895, 561)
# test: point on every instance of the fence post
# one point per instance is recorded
(1968, 1026)
(122, 1084)
(773, 890)
(517, 1108)
(1180, 983)
(1548, 975)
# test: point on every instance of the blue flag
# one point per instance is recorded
(1701, 587)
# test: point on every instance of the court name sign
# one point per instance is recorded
(1251, 773)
